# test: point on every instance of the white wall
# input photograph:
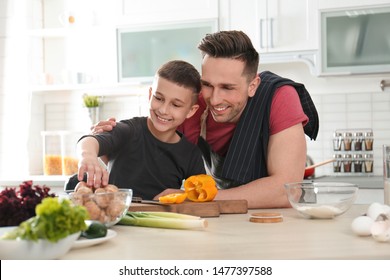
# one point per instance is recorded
(14, 81)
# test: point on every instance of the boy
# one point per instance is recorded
(147, 154)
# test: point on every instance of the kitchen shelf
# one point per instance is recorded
(68, 87)
(114, 89)
(69, 31)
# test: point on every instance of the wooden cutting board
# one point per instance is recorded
(201, 209)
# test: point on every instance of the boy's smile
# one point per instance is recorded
(169, 105)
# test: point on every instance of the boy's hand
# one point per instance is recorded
(103, 126)
(97, 174)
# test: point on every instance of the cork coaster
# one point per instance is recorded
(266, 217)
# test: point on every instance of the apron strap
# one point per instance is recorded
(213, 161)
(203, 119)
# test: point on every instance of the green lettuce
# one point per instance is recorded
(56, 219)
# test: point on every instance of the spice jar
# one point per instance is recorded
(347, 163)
(347, 141)
(368, 141)
(358, 141)
(337, 141)
(357, 163)
(337, 163)
(368, 163)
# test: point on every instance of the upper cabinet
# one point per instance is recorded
(74, 43)
(338, 4)
(151, 11)
(277, 25)
(355, 40)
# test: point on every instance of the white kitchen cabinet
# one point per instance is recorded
(74, 58)
(83, 54)
(339, 4)
(73, 44)
(152, 11)
(277, 25)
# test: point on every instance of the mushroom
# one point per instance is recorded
(101, 198)
(93, 210)
(111, 188)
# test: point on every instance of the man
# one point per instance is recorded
(250, 127)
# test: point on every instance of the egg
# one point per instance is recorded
(380, 230)
(376, 208)
(362, 225)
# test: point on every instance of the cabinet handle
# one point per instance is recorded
(271, 33)
(261, 34)
(383, 84)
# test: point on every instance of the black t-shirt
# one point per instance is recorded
(143, 163)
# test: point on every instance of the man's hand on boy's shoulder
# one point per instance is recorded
(103, 126)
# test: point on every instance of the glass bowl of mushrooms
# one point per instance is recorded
(105, 204)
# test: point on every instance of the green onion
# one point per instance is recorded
(163, 220)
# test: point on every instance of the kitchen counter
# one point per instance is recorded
(55, 183)
(370, 188)
(363, 182)
(232, 236)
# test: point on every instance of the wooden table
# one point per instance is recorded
(232, 236)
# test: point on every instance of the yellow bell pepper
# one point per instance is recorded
(173, 198)
(200, 188)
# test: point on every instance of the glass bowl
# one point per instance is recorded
(106, 207)
(321, 200)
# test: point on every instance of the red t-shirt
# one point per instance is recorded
(286, 111)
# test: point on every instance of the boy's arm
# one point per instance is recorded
(87, 151)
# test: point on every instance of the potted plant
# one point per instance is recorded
(92, 103)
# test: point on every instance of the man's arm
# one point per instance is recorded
(286, 163)
(103, 126)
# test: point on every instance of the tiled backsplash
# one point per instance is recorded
(343, 102)
(351, 111)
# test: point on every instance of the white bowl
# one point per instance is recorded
(29, 250)
(322, 200)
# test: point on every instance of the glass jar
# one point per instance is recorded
(337, 139)
(368, 163)
(357, 163)
(358, 141)
(337, 163)
(386, 173)
(347, 141)
(368, 141)
(59, 153)
(347, 163)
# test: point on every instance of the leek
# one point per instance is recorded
(163, 220)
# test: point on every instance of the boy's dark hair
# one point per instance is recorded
(181, 73)
(232, 44)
